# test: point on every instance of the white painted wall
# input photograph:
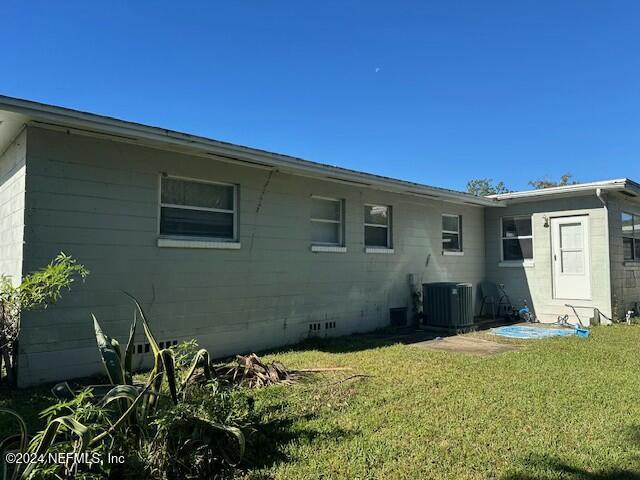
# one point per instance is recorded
(534, 283)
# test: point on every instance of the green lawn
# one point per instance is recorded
(559, 408)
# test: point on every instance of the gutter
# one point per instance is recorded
(617, 184)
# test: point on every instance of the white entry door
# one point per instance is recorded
(570, 258)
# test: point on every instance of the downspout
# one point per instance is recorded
(602, 197)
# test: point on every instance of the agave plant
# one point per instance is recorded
(119, 367)
(20, 439)
(106, 417)
(68, 430)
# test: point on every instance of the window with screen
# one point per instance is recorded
(451, 233)
(631, 236)
(326, 221)
(517, 239)
(190, 208)
(377, 226)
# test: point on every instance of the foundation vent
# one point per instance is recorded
(142, 348)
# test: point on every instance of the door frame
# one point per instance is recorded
(584, 218)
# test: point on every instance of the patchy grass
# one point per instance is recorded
(560, 408)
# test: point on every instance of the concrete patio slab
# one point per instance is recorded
(466, 344)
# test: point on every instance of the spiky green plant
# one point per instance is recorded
(165, 417)
(20, 439)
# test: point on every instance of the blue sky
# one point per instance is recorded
(434, 92)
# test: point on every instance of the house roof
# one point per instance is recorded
(629, 187)
(15, 112)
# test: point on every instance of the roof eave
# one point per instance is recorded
(130, 131)
(569, 190)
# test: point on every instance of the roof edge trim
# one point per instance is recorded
(66, 117)
(616, 184)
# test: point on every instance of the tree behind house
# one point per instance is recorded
(546, 182)
(481, 187)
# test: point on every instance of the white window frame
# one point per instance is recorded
(459, 251)
(526, 262)
(633, 238)
(172, 240)
(340, 222)
(376, 249)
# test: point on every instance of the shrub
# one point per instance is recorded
(172, 426)
(37, 290)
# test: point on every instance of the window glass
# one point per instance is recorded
(517, 239)
(326, 221)
(627, 224)
(571, 236)
(325, 233)
(630, 235)
(377, 228)
(517, 249)
(376, 214)
(197, 209)
(571, 261)
(325, 209)
(450, 223)
(452, 233)
(196, 223)
(627, 247)
(516, 227)
(450, 241)
(375, 237)
(197, 194)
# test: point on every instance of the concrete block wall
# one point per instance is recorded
(97, 199)
(535, 283)
(12, 198)
(625, 274)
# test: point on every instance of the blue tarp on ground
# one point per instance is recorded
(526, 333)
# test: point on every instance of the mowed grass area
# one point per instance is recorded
(559, 408)
(564, 408)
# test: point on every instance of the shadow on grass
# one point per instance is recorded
(550, 467)
(555, 468)
(383, 337)
(267, 445)
(361, 341)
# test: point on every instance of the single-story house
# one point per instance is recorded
(244, 249)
